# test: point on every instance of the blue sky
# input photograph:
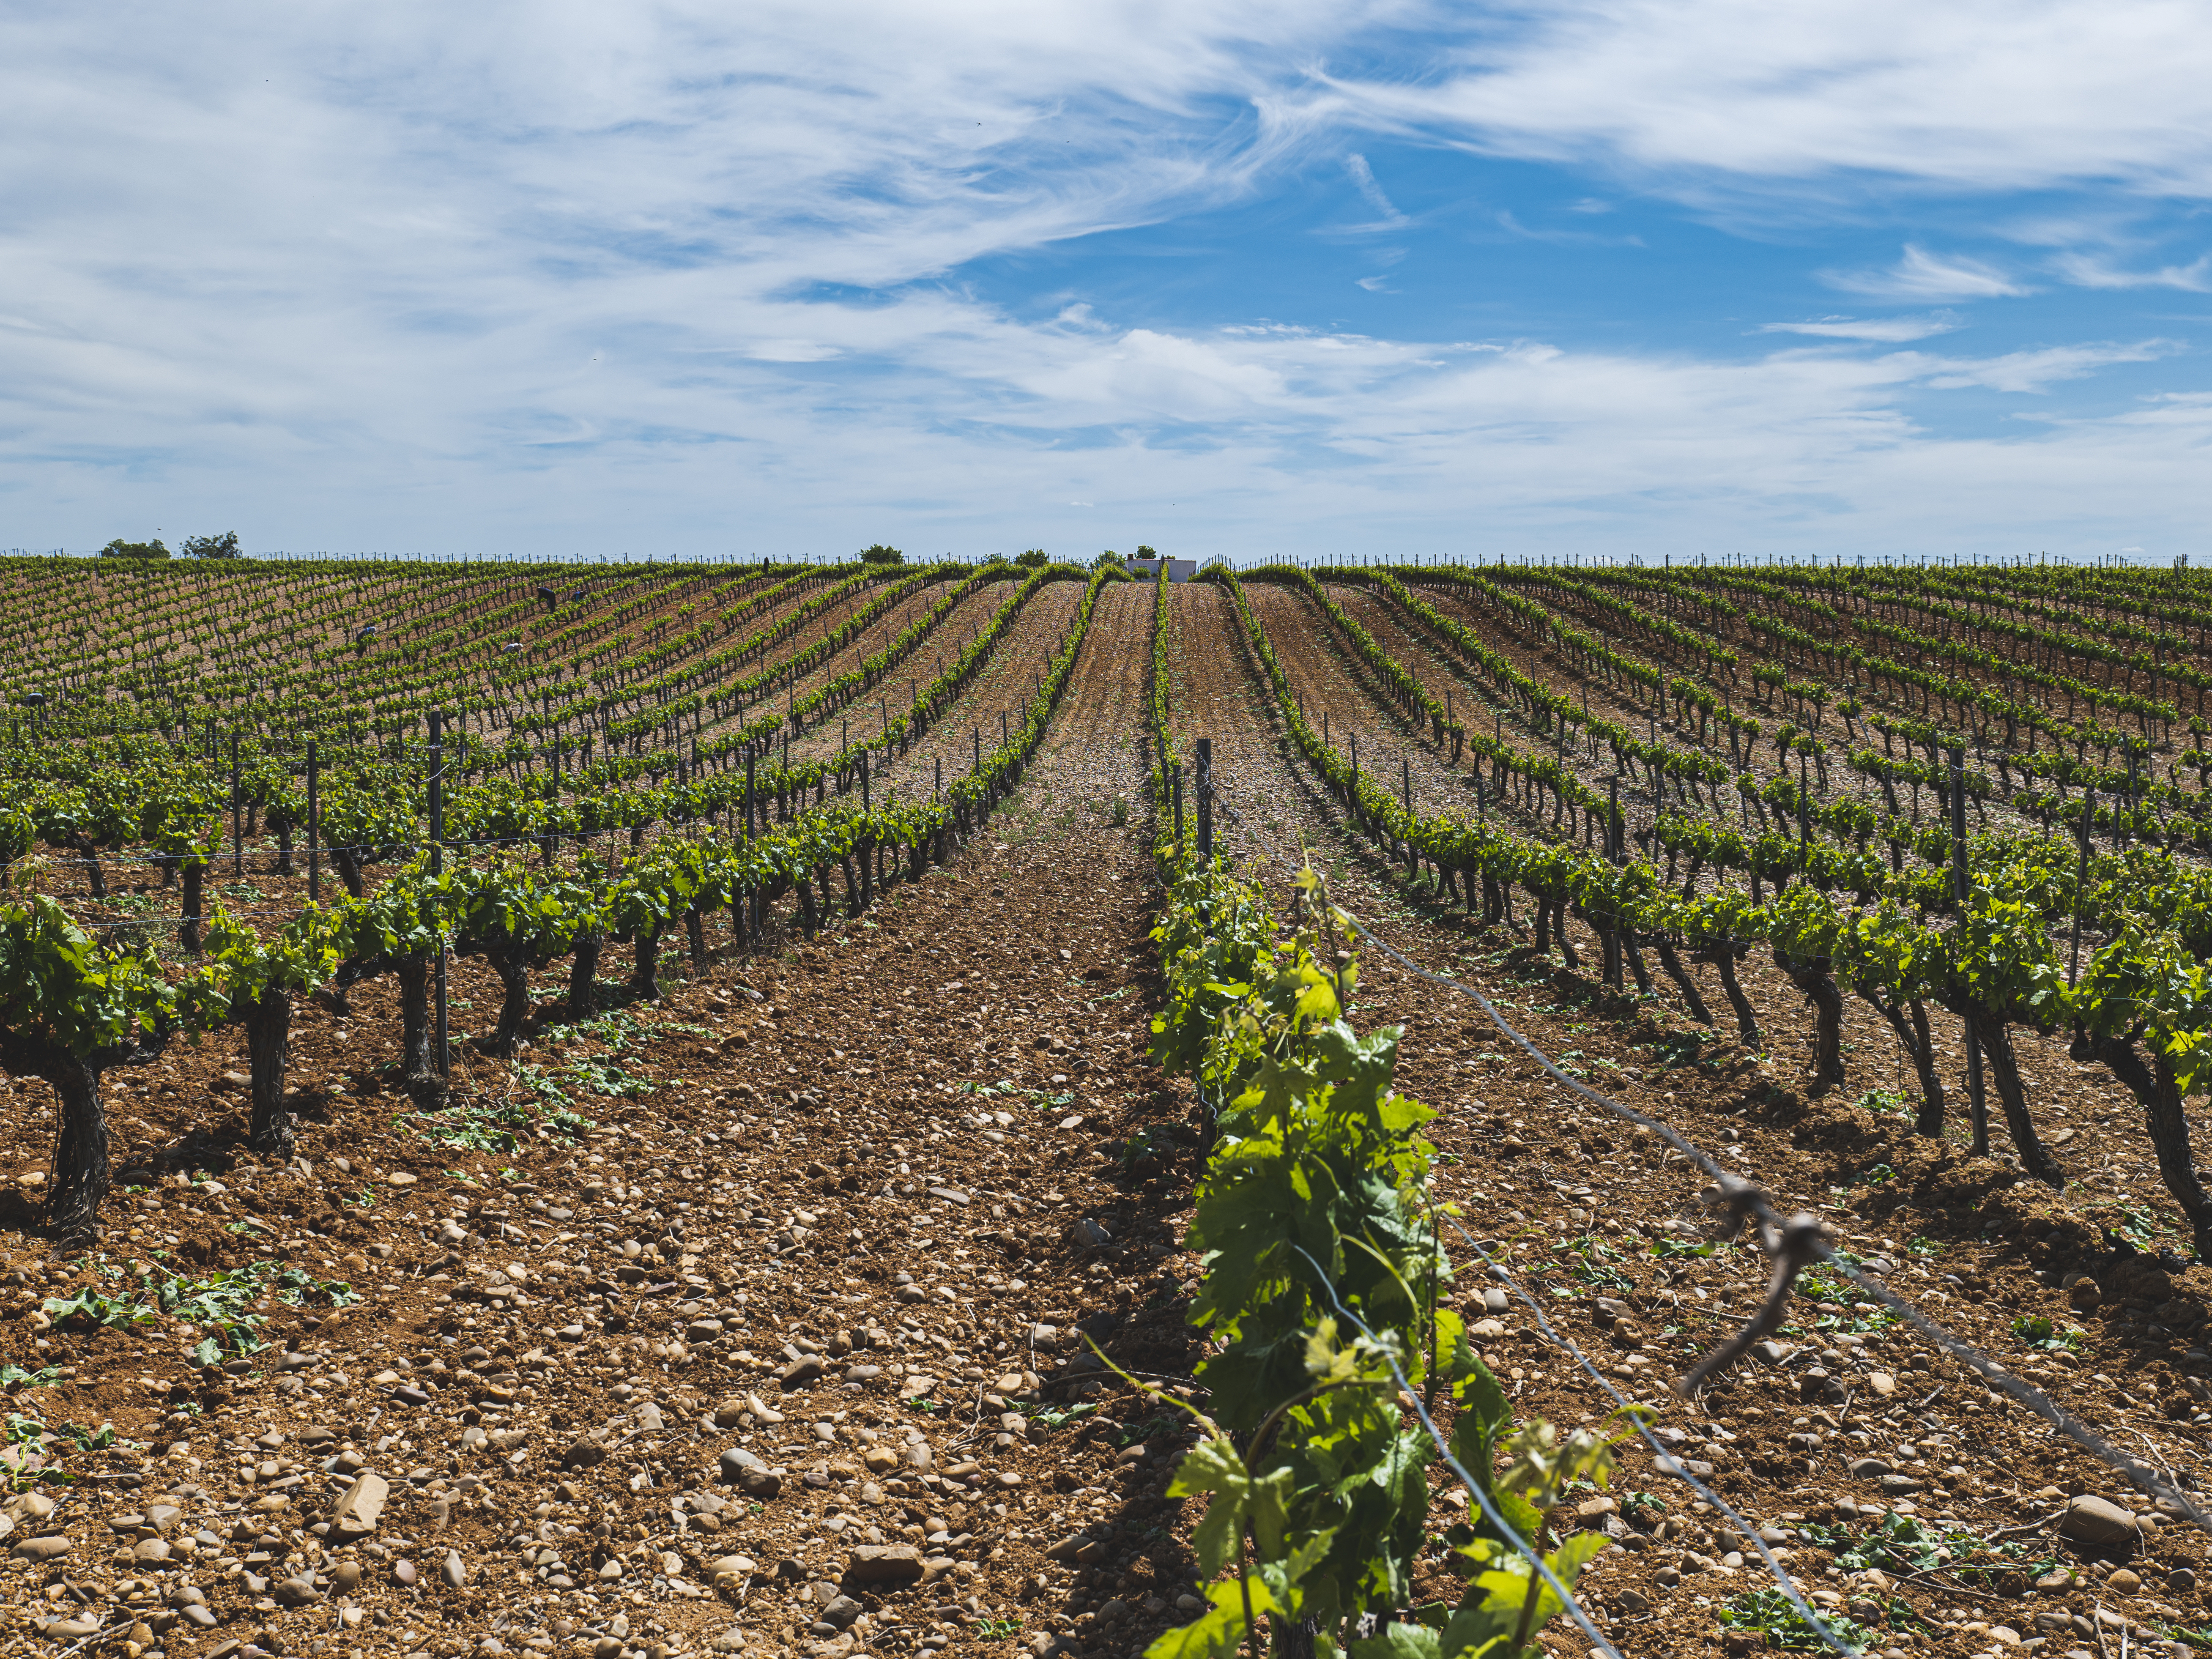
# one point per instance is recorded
(1591, 278)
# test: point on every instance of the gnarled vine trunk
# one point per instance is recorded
(514, 1003)
(420, 1069)
(281, 826)
(1641, 975)
(1671, 964)
(2159, 1090)
(268, 1049)
(82, 847)
(1747, 1021)
(79, 1175)
(644, 964)
(1909, 1023)
(1811, 976)
(2004, 1070)
(347, 862)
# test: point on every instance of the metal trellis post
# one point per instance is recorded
(443, 1059)
(314, 829)
(1976, 1098)
(1205, 798)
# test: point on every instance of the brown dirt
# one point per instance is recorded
(941, 1089)
(1533, 1169)
(928, 1091)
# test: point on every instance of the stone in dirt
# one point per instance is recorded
(296, 1593)
(742, 1469)
(584, 1454)
(884, 1563)
(356, 1512)
(801, 1372)
(2095, 1520)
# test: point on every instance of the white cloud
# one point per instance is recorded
(1896, 330)
(1987, 94)
(1509, 220)
(791, 351)
(1920, 275)
(2031, 371)
(1362, 177)
(2094, 271)
(684, 277)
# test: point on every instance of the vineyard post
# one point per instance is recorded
(2117, 831)
(865, 769)
(315, 827)
(1176, 791)
(1206, 799)
(1805, 808)
(237, 823)
(937, 788)
(976, 765)
(1977, 1100)
(437, 867)
(2081, 881)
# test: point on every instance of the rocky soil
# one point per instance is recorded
(754, 1319)
(1900, 1490)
